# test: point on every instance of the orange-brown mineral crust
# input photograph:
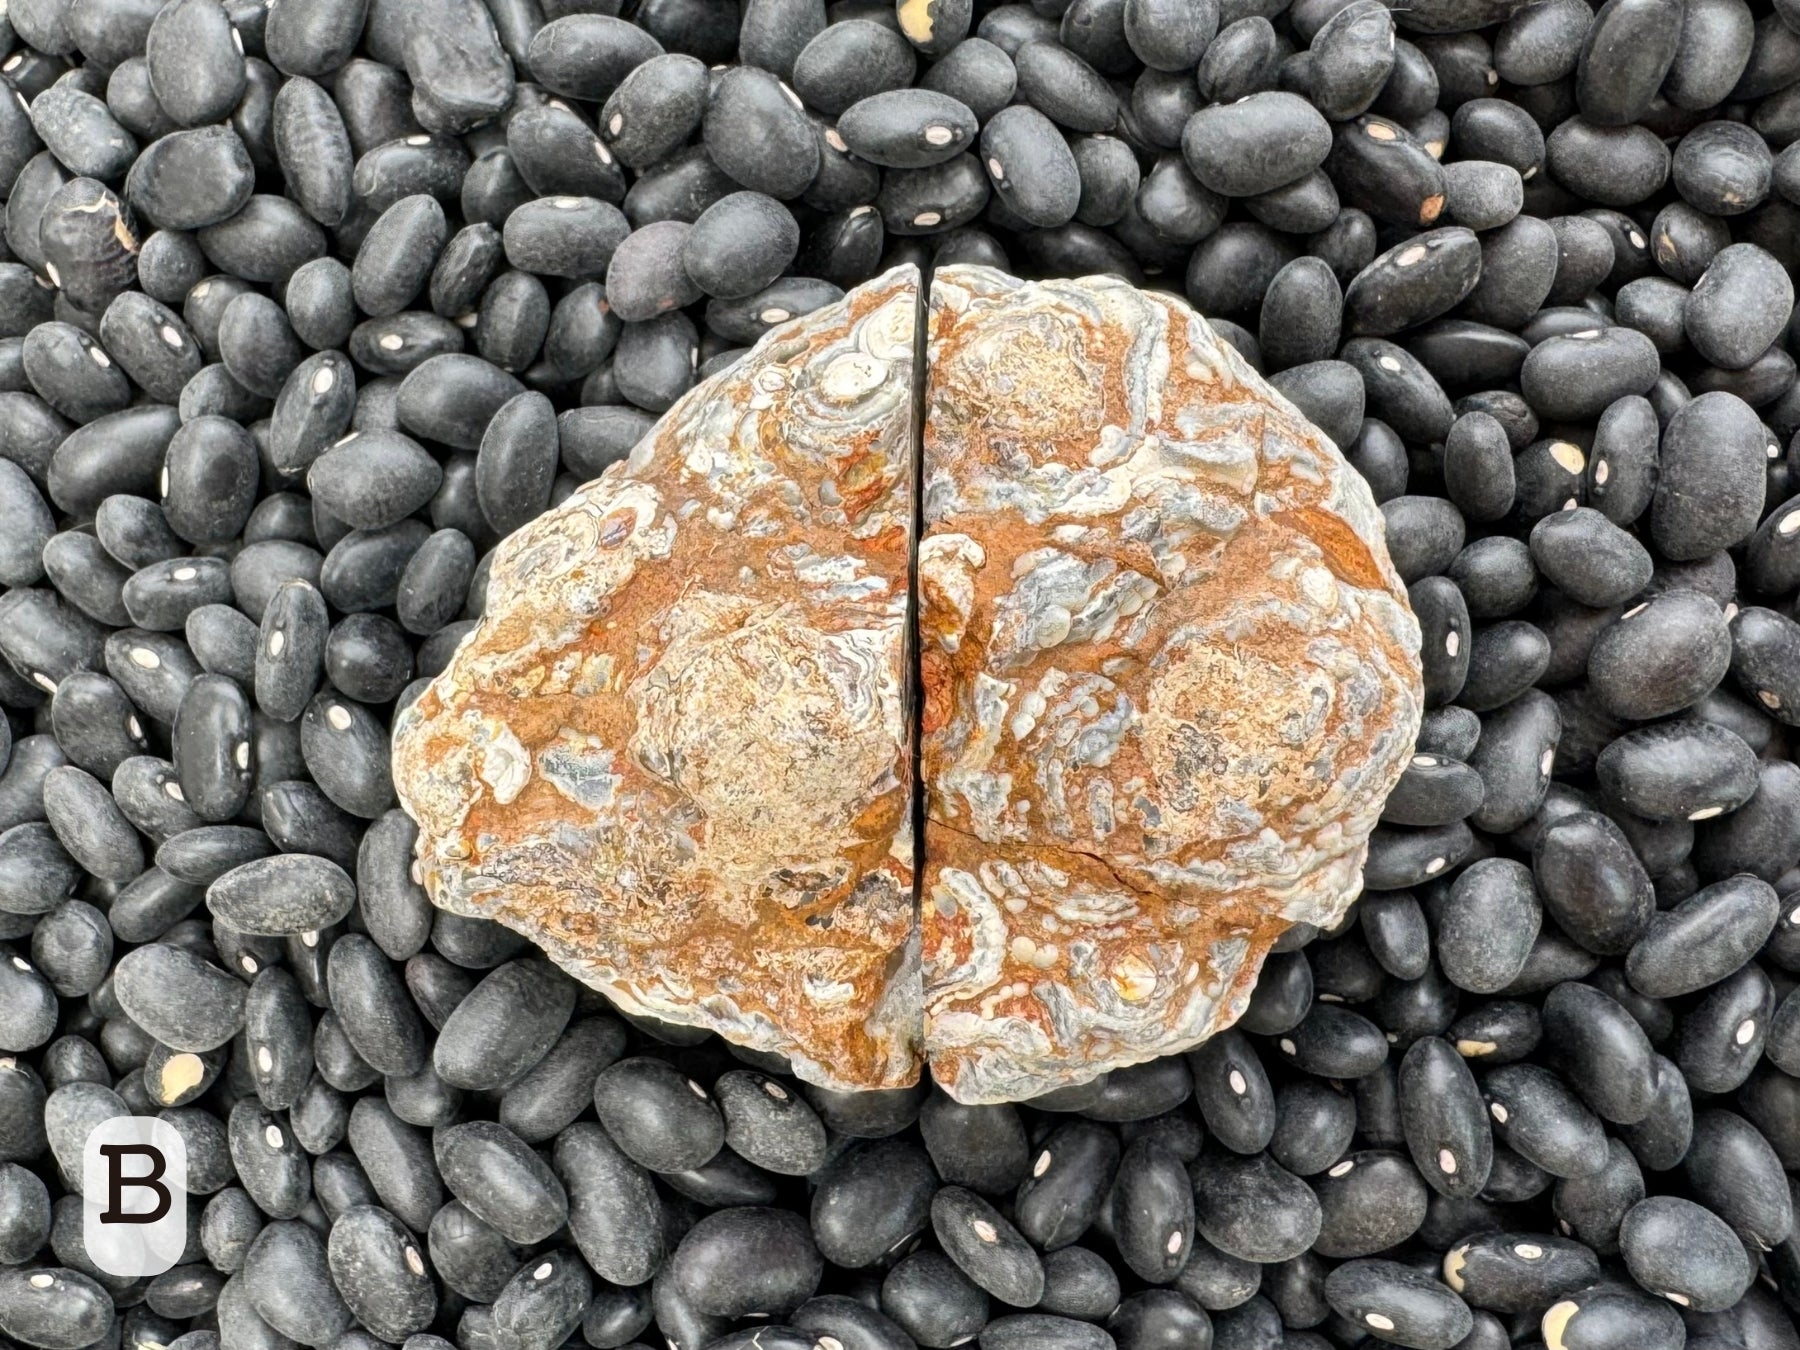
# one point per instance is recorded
(1166, 678)
(675, 751)
(1169, 679)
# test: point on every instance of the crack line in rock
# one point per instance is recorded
(914, 648)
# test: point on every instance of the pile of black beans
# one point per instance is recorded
(305, 303)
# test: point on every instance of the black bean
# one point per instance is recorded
(472, 1258)
(1368, 1202)
(505, 1026)
(1734, 1172)
(1252, 1208)
(1539, 1118)
(1314, 1126)
(289, 893)
(1260, 143)
(981, 1147)
(1152, 1217)
(1722, 1038)
(1675, 770)
(1444, 1120)
(374, 479)
(1603, 1316)
(1684, 1252)
(270, 1167)
(1592, 883)
(289, 1283)
(1399, 1304)
(747, 1260)
(661, 1118)
(500, 1180)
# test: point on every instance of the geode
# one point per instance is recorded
(1131, 615)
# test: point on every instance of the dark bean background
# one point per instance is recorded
(304, 304)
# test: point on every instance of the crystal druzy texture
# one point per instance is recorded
(1165, 677)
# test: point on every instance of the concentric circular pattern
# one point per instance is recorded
(1529, 265)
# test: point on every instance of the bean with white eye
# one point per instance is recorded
(381, 1272)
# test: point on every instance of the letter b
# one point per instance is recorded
(116, 1182)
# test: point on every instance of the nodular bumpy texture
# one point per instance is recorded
(1167, 677)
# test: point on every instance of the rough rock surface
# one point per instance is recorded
(1166, 676)
(1169, 678)
(675, 751)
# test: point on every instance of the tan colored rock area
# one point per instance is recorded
(1165, 677)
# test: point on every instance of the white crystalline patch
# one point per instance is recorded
(338, 716)
(505, 763)
(272, 1136)
(323, 380)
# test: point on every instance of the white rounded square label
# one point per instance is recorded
(134, 1195)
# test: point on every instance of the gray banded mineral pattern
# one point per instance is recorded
(1166, 676)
